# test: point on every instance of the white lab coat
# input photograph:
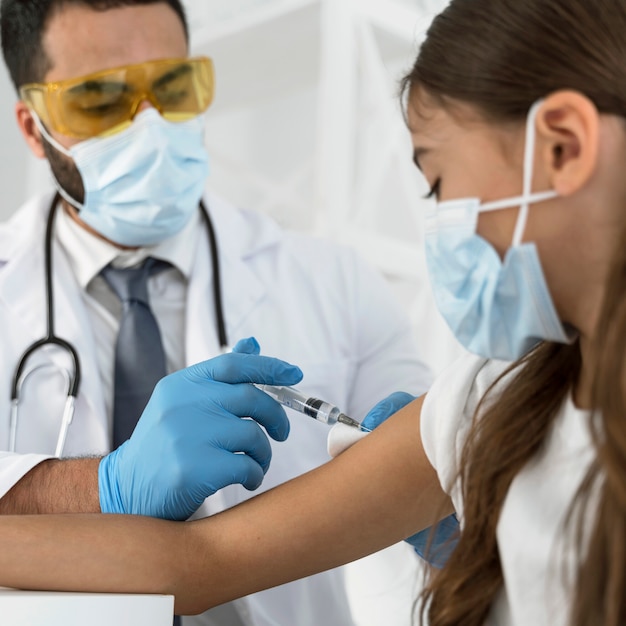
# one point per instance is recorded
(305, 300)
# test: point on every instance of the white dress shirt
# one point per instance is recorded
(89, 254)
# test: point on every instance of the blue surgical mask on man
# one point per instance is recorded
(143, 184)
(495, 309)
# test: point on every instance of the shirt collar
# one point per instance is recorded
(89, 254)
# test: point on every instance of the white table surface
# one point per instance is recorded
(48, 608)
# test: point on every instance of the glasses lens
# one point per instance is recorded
(185, 90)
(94, 106)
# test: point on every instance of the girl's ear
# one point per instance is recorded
(567, 137)
(29, 129)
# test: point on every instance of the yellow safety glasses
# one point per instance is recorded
(106, 102)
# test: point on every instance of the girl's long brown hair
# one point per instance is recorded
(502, 56)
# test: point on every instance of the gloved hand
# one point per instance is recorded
(184, 446)
(386, 408)
(443, 541)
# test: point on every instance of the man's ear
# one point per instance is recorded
(568, 126)
(29, 129)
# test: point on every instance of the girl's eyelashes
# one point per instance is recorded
(434, 190)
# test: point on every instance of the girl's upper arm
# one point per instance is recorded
(378, 492)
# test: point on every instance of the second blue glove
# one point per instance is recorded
(435, 550)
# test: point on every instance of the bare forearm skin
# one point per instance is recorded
(55, 486)
(376, 493)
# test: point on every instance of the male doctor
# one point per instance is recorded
(110, 98)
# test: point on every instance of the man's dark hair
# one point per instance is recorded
(23, 23)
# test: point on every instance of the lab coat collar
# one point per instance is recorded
(22, 259)
(22, 263)
(241, 236)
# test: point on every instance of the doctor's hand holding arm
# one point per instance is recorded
(185, 447)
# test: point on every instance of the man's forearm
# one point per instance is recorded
(55, 486)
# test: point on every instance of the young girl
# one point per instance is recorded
(517, 111)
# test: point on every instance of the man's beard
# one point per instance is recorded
(65, 172)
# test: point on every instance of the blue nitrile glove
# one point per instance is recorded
(386, 408)
(184, 447)
(442, 543)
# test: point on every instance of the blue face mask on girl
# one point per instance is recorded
(495, 309)
(142, 185)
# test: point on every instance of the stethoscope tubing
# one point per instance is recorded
(74, 377)
(50, 337)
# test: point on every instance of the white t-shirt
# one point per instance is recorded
(536, 554)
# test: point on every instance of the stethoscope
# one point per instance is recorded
(51, 339)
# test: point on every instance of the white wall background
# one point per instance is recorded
(307, 127)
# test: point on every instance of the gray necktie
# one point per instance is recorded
(139, 356)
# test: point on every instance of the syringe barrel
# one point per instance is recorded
(321, 411)
(313, 407)
(288, 397)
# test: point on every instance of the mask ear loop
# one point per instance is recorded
(529, 157)
(63, 150)
(49, 138)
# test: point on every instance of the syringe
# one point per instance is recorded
(313, 407)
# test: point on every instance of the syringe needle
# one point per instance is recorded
(344, 419)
